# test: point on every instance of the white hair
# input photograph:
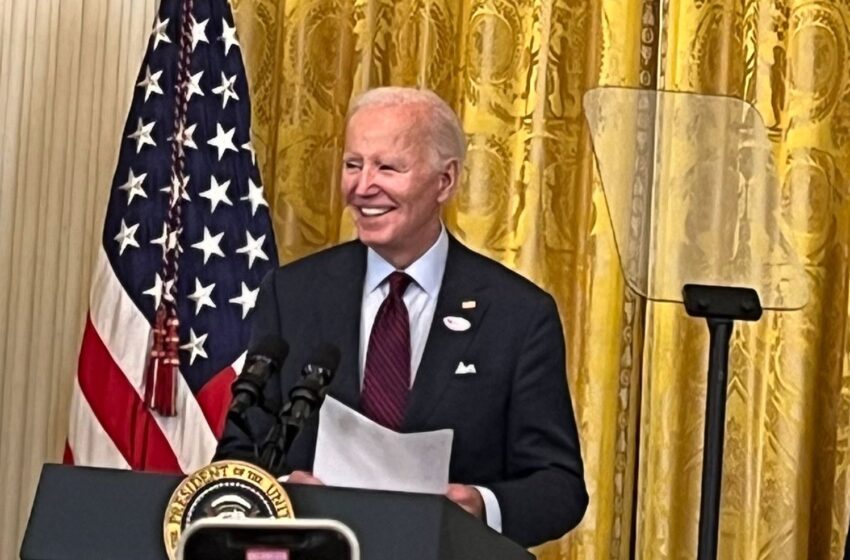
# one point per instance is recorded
(442, 124)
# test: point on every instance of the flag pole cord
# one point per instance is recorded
(164, 362)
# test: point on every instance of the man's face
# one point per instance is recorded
(392, 182)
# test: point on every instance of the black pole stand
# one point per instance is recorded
(271, 454)
(277, 442)
(720, 306)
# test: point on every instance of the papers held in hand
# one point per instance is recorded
(354, 451)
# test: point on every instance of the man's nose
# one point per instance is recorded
(365, 181)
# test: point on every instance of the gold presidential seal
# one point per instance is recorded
(224, 489)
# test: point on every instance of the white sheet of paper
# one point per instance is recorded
(354, 451)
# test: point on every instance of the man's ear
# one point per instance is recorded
(448, 180)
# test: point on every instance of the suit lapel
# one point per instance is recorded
(341, 320)
(445, 347)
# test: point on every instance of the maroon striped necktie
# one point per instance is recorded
(386, 379)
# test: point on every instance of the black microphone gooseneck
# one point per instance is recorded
(264, 360)
(305, 398)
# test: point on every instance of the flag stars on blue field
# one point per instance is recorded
(223, 140)
(186, 136)
(151, 83)
(199, 32)
(226, 90)
(217, 193)
(172, 188)
(228, 249)
(143, 135)
(202, 295)
(253, 248)
(134, 186)
(210, 244)
(247, 299)
(155, 291)
(158, 289)
(195, 346)
(228, 35)
(249, 147)
(194, 86)
(127, 237)
(160, 33)
(161, 240)
(254, 196)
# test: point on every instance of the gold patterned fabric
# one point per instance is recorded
(785, 492)
(516, 71)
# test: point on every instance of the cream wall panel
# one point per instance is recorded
(67, 73)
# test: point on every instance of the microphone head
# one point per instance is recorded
(270, 346)
(326, 356)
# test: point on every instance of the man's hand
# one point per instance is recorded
(304, 477)
(467, 497)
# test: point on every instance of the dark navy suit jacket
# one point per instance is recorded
(513, 421)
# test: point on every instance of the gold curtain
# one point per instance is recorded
(785, 491)
(516, 70)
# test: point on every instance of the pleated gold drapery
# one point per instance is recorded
(529, 200)
(516, 71)
(785, 491)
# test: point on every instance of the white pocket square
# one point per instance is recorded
(463, 369)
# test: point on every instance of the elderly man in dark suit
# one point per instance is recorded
(432, 334)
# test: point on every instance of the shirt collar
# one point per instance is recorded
(427, 271)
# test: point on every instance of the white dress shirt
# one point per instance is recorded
(420, 298)
(421, 302)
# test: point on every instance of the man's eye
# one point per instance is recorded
(351, 165)
(387, 168)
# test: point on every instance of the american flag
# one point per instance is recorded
(187, 236)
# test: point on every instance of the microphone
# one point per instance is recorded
(304, 398)
(264, 360)
(309, 393)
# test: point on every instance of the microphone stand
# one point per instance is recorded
(304, 398)
(276, 444)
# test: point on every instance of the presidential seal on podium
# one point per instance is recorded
(224, 490)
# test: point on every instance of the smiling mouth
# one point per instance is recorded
(370, 212)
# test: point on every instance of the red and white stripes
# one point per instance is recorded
(110, 425)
